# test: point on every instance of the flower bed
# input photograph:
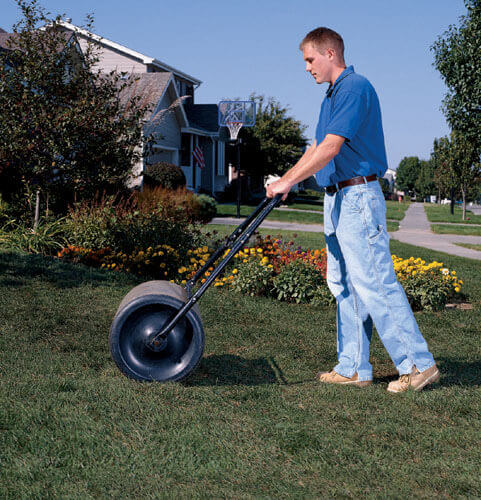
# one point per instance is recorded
(275, 268)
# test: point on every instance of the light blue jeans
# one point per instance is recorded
(360, 274)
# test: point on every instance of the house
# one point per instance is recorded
(183, 124)
(178, 124)
(390, 176)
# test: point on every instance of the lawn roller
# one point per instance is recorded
(157, 332)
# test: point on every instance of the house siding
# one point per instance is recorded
(110, 59)
(168, 129)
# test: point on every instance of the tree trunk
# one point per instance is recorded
(463, 192)
(37, 210)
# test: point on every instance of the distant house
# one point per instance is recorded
(390, 176)
(178, 124)
(178, 132)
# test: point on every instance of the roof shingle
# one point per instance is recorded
(203, 116)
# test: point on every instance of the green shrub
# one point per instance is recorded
(3, 210)
(47, 238)
(298, 281)
(128, 225)
(163, 174)
(206, 208)
(427, 291)
(254, 278)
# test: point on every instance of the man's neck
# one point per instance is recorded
(336, 73)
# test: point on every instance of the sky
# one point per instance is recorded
(240, 47)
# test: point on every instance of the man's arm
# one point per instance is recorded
(313, 160)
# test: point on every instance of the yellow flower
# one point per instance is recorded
(234, 271)
(259, 250)
(457, 288)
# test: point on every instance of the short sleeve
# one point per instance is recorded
(348, 113)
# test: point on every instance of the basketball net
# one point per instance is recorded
(234, 128)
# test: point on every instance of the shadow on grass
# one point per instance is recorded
(15, 268)
(227, 369)
(462, 373)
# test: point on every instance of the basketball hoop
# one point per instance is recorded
(234, 128)
(236, 114)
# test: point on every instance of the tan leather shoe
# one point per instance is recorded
(415, 380)
(333, 377)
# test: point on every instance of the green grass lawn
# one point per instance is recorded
(250, 422)
(396, 210)
(278, 215)
(225, 230)
(453, 229)
(286, 216)
(442, 213)
(469, 245)
(307, 206)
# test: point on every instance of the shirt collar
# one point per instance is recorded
(346, 72)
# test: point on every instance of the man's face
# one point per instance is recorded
(317, 64)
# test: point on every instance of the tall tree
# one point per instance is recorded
(457, 56)
(63, 126)
(457, 165)
(407, 174)
(276, 141)
(424, 184)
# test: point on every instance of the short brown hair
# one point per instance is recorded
(324, 38)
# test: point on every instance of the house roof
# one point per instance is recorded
(2, 30)
(203, 116)
(144, 58)
(150, 87)
(4, 36)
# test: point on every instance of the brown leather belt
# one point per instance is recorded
(350, 182)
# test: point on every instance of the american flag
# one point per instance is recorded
(199, 157)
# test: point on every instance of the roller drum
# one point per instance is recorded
(145, 310)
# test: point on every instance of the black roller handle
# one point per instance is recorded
(233, 243)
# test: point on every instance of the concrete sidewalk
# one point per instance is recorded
(271, 224)
(415, 229)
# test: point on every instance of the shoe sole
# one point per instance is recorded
(357, 383)
(430, 380)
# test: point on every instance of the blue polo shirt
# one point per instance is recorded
(351, 110)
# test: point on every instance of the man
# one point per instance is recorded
(347, 157)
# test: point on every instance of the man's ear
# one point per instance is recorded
(331, 53)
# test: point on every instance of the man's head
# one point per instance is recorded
(323, 51)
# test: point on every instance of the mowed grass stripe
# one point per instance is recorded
(454, 229)
(442, 213)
